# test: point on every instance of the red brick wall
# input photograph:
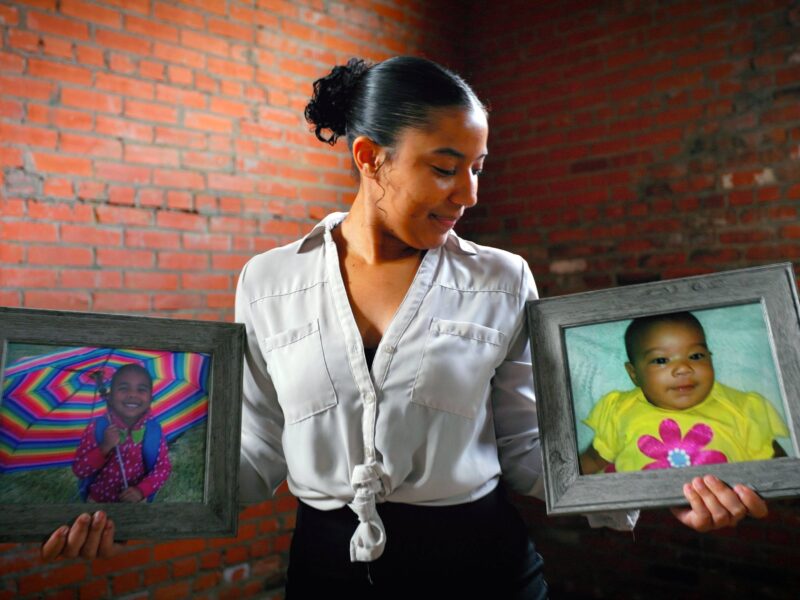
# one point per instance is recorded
(639, 140)
(634, 141)
(253, 563)
(147, 149)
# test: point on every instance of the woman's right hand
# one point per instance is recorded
(89, 537)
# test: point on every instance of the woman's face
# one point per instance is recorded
(432, 177)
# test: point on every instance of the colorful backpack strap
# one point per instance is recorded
(100, 426)
(151, 444)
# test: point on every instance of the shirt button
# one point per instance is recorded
(369, 399)
(388, 349)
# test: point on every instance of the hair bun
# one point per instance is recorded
(331, 100)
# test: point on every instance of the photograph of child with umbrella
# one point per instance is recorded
(127, 422)
(123, 457)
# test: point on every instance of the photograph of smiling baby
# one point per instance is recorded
(705, 391)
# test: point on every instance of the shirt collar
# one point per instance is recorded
(462, 245)
(328, 223)
(334, 219)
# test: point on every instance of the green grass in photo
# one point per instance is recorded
(59, 485)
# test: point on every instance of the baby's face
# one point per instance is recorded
(673, 366)
(130, 396)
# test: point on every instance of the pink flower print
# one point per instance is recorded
(674, 451)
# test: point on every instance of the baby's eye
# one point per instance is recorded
(659, 360)
(697, 356)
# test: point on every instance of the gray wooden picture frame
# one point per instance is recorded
(773, 287)
(217, 513)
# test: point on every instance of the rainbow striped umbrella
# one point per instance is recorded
(48, 400)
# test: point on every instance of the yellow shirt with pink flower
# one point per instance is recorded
(728, 426)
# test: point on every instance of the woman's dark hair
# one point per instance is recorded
(639, 327)
(134, 368)
(379, 100)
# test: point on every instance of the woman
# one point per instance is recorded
(388, 371)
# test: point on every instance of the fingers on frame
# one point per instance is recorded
(699, 517)
(52, 548)
(756, 506)
(89, 548)
(77, 535)
(107, 546)
(728, 499)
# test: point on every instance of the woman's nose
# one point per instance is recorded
(467, 192)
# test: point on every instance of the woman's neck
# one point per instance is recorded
(366, 239)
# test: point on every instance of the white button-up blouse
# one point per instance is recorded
(445, 410)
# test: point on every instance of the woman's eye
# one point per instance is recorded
(444, 172)
(478, 172)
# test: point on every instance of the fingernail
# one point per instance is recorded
(85, 517)
(63, 531)
(710, 480)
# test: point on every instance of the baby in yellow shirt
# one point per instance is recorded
(678, 415)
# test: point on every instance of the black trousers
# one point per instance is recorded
(474, 550)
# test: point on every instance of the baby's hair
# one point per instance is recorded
(639, 326)
(134, 368)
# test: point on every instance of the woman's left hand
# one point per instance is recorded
(714, 505)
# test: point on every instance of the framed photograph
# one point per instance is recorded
(137, 416)
(641, 388)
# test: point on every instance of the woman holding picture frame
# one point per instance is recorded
(387, 372)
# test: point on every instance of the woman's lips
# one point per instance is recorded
(445, 221)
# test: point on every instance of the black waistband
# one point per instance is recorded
(471, 545)
(396, 515)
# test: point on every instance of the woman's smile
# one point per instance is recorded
(445, 222)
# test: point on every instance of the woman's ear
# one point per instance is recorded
(368, 156)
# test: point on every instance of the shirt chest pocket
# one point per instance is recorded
(457, 365)
(296, 364)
